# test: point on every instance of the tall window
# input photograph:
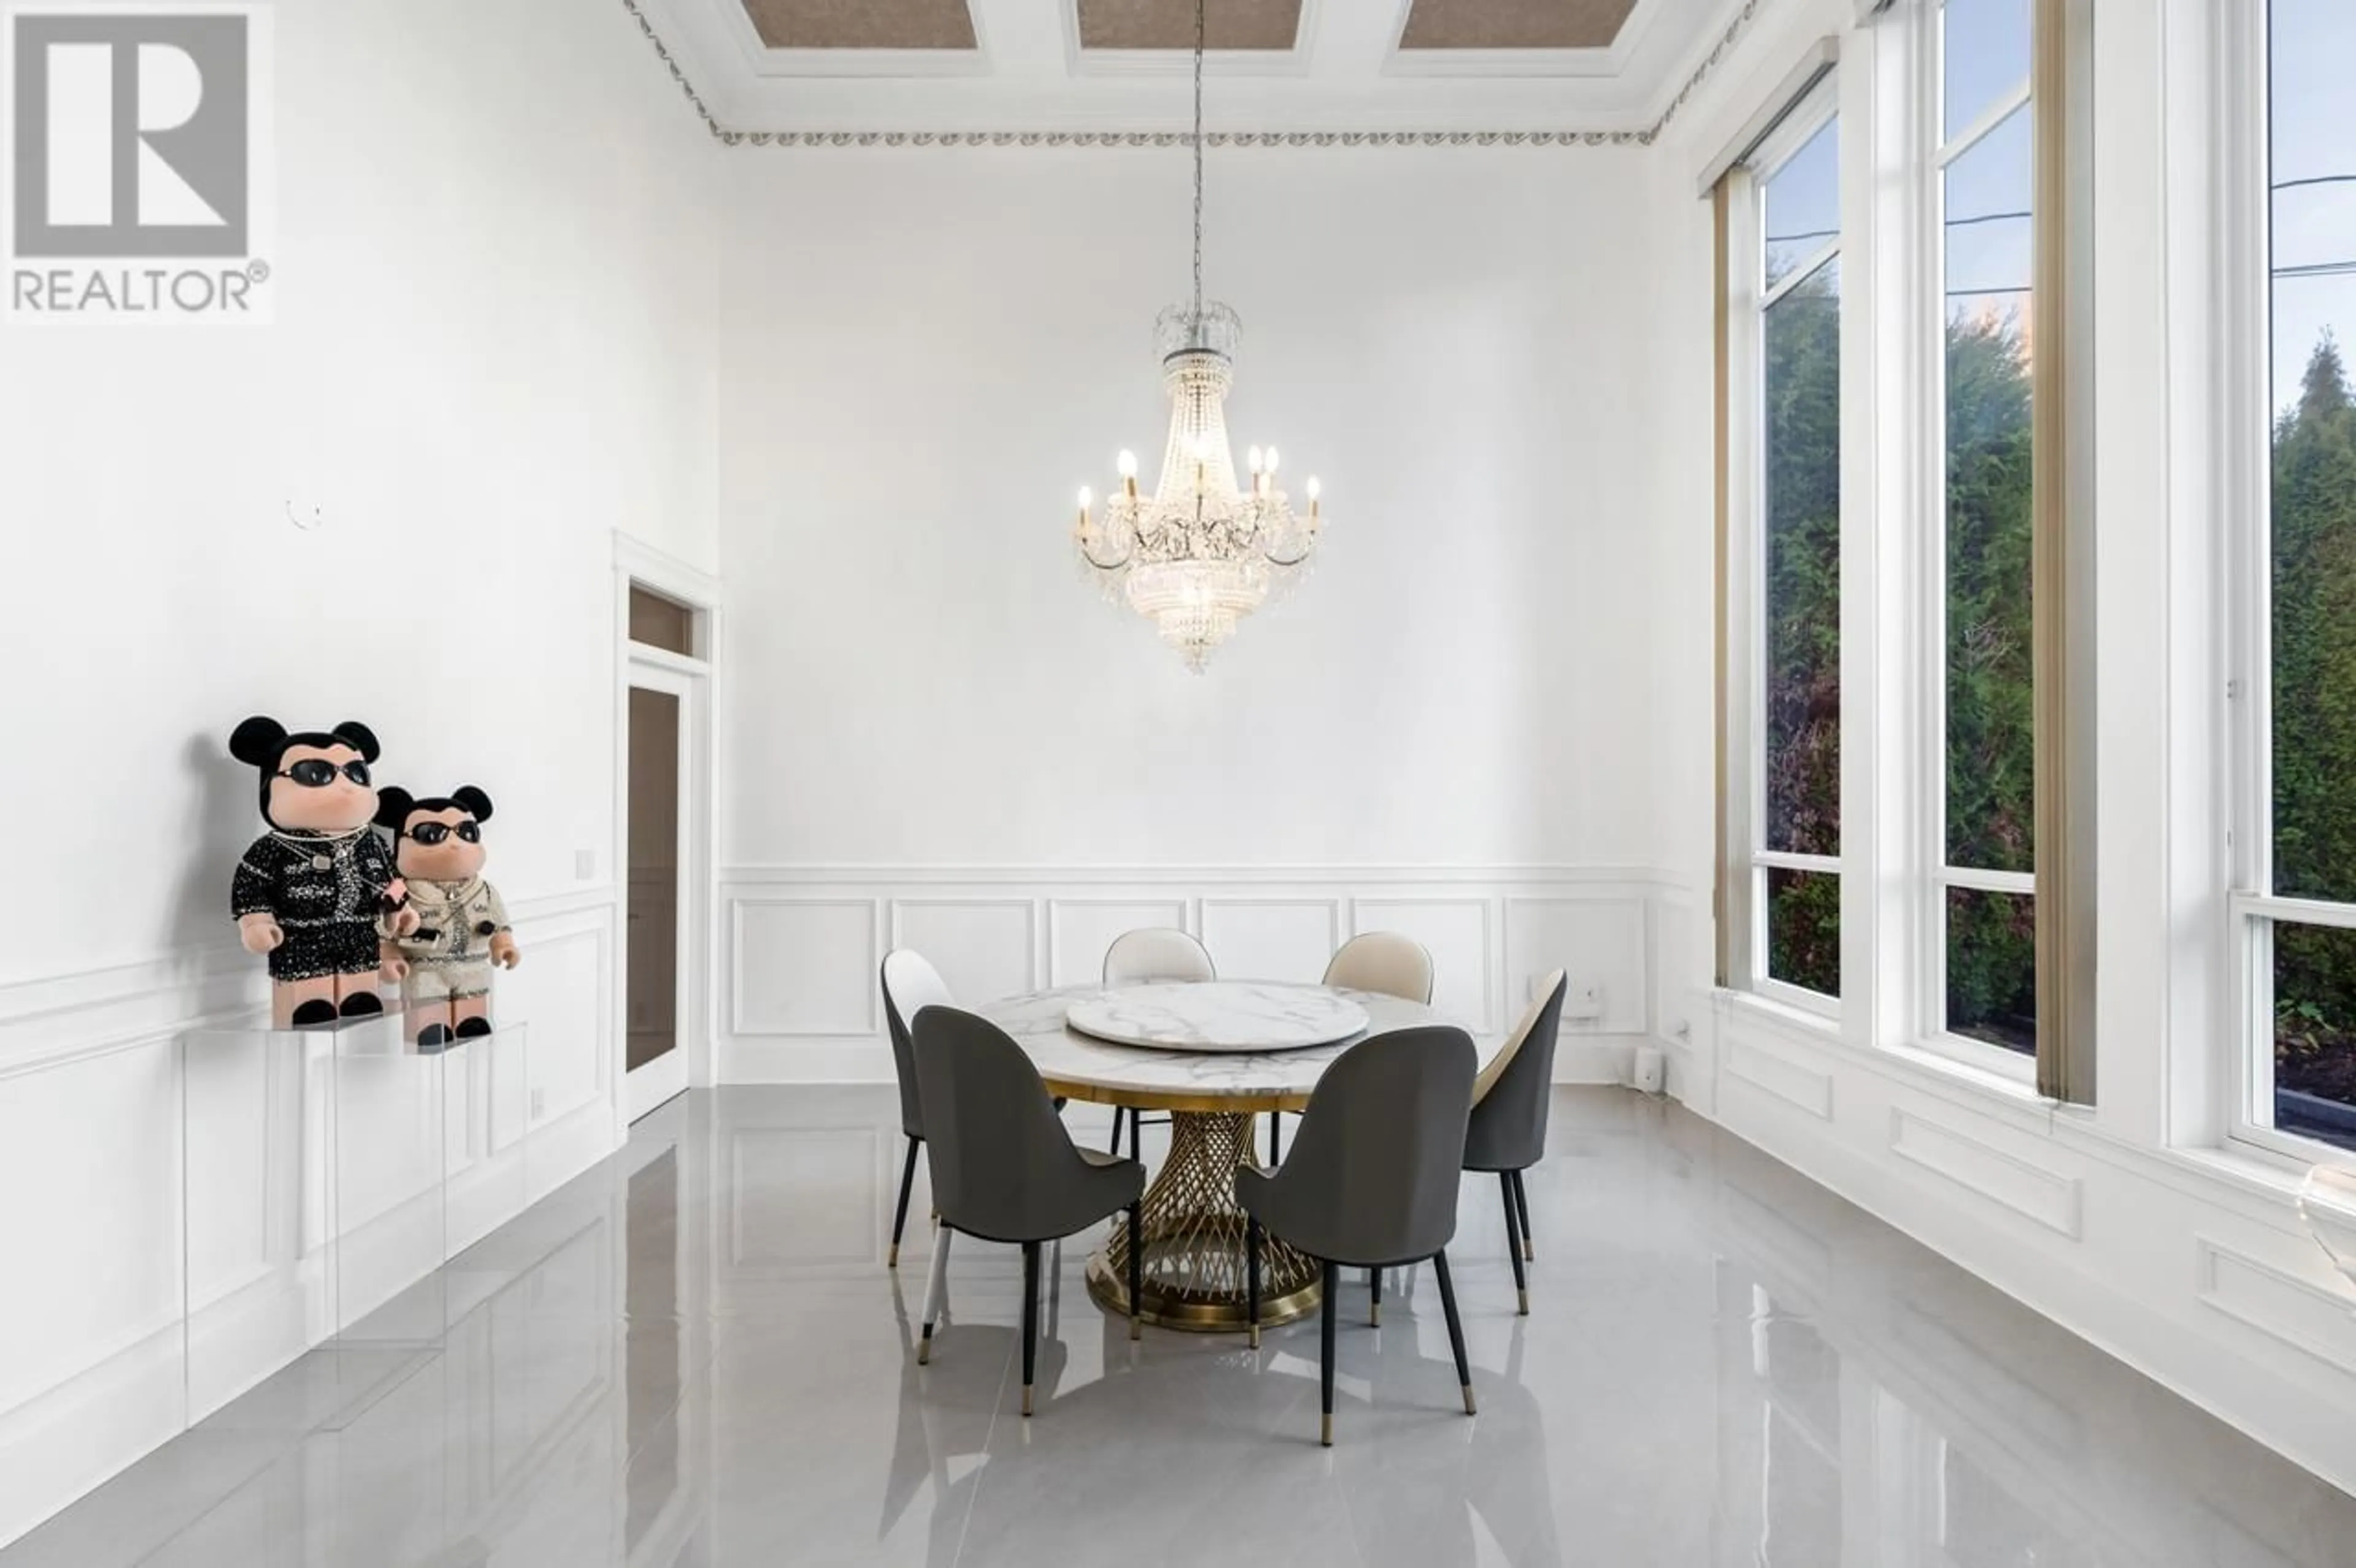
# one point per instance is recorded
(1784, 293)
(2302, 859)
(1984, 178)
(1798, 860)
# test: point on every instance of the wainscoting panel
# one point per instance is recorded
(983, 946)
(2277, 1303)
(1976, 1161)
(1792, 1081)
(801, 968)
(1593, 940)
(1460, 934)
(1271, 936)
(1080, 930)
(805, 966)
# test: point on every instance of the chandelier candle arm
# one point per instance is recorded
(1201, 552)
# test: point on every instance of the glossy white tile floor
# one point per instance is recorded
(694, 1356)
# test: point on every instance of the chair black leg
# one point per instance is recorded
(1514, 1241)
(1275, 1136)
(1030, 1320)
(1136, 1134)
(1375, 1287)
(1251, 1269)
(899, 1214)
(1117, 1113)
(1522, 1207)
(1325, 1355)
(1455, 1327)
(1135, 1266)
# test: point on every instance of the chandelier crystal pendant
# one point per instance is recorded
(1201, 552)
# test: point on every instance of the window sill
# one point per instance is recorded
(1917, 1064)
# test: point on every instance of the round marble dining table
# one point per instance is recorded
(1201, 1069)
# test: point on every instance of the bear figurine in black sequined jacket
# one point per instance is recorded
(308, 892)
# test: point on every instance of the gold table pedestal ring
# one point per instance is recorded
(1195, 1246)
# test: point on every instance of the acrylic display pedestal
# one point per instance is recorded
(330, 1174)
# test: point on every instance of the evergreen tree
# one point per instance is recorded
(2314, 754)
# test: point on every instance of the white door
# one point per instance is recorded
(663, 721)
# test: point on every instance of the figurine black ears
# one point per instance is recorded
(472, 800)
(259, 742)
(393, 805)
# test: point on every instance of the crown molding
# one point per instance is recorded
(726, 136)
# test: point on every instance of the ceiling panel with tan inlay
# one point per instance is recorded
(862, 23)
(1170, 24)
(1515, 24)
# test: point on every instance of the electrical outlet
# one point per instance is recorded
(1583, 1003)
(539, 1104)
(585, 864)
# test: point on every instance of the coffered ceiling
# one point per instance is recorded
(799, 68)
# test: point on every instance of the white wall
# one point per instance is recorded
(495, 346)
(931, 351)
(2188, 1263)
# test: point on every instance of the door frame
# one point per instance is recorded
(692, 678)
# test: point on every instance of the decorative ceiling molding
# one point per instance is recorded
(1733, 31)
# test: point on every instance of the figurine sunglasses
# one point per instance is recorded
(317, 773)
(435, 832)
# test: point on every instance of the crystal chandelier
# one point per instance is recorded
(1200, 553)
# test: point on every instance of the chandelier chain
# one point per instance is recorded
(1199, 38)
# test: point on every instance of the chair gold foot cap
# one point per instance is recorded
(1325, 1433)
(1136, 1329)
(1255, 1336)
(1525, 1303)
(892, 1256)
(925, 1349)
(1026, 1399)
(1469, 1409)
(1375, 1316)
(1529, 1253)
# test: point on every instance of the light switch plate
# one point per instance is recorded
(1583, 1004)
(585, 864)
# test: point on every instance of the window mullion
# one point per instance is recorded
(1979, 130)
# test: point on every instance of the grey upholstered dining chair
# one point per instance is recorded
(1005, 1167)
(1379, 961)
(1373, 1178)
(1140, 958)
(1510, 1102)
(910, 985)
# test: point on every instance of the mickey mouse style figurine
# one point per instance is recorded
(309, 892)
(461, 930)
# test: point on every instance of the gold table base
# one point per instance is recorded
(1196, 1258)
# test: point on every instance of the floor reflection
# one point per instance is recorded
(692, 1357)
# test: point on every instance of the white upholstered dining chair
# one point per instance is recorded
(1379, 961)
(1142, 957)
(1383, 961)
(1157, 953)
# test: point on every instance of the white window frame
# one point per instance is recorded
(1748, 300)
(2243, 347)
(1928, 44)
